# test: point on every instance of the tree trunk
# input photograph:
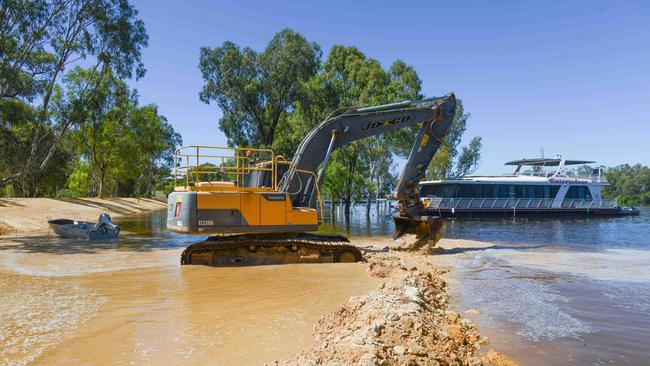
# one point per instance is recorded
(377, 199)
(368, 199)
(347, 209)
(102, 177)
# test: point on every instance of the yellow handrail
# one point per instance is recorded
(240, 156)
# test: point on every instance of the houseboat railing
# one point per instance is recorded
(593, 178)
(516, 203)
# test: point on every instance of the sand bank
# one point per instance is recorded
(30, 215)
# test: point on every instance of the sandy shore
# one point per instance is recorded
(30, 215)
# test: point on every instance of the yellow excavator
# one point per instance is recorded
(263, 209)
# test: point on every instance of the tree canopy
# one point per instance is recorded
(38, 39)
(62, 129)
(630, 184)
(256, 90)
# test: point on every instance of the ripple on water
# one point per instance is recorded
(518, 295)
(36, 313)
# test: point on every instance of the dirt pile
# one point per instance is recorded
(404, 321)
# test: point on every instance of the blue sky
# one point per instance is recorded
(571, 77)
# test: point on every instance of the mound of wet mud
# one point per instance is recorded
(405, 321)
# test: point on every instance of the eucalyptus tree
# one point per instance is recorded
(38, 40)
(121, 147)
(256, 90)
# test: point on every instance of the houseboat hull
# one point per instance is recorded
(532, 212)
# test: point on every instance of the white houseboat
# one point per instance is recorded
(536, 187)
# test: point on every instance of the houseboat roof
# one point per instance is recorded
(547, 162)
(510, 179)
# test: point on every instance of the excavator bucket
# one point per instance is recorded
(427, 229)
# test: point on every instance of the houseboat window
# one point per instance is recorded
(554, 190)
(530, 192)
(439, 190)
(521, 191)
(469, 190)
(579, 192)
(498, 191)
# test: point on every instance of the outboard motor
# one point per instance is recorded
(105, 225)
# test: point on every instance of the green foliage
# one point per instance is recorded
(80, 182)
(469, 158)
(630, 185)
(344, 180)
(126, 147)
(349, 78)
(255, 90)
(66, 193)
(82, 132)
(38, 40)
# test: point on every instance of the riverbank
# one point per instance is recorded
(30, 215)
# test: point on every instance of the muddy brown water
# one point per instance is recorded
(130, 302)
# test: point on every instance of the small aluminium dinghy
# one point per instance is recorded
(103, 229)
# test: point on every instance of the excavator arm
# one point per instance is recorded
(435, 117)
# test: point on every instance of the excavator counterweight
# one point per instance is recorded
(261, 206)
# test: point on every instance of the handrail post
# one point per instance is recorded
(274, 170)
(196, 170)
(175, 166)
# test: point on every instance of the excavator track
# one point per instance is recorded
(270, 248)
